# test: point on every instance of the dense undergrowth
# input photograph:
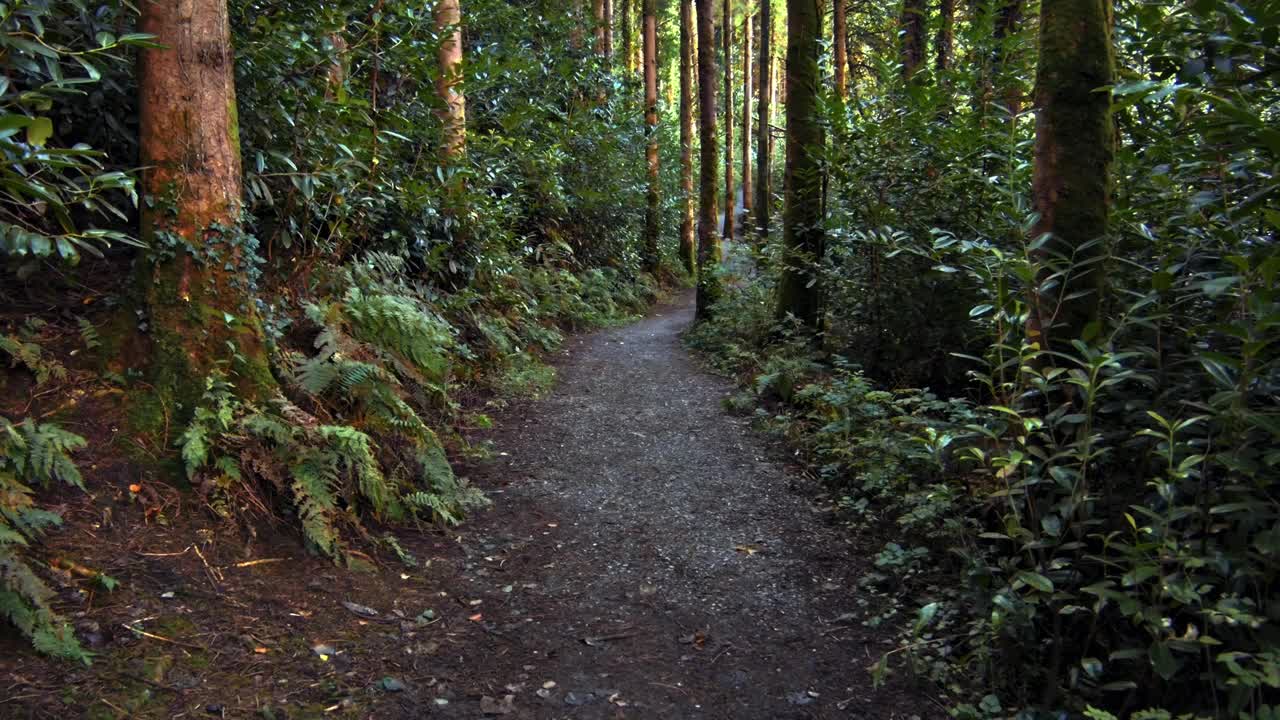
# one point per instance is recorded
(1090, 528)
(391, 325)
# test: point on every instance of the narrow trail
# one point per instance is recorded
(650, 560)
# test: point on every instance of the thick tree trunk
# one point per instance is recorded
(747, 198)
(840, 31)
(945, 39)
(197, 279)
(913, 33)
(688, 253)
(727, 37)
(651, 219)
(799, 290)
(708, 245)
(764, 142)
(453, 116)
(1008, 18)
(1074, 149)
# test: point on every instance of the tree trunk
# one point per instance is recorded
(651, 219)
(840, 31)
(688, 255)
(945, 39)
(799, 291)
(453, 116)
(748, 200)
(608, 29)
(1008, 18)
(197, 279)
(627, 58)
(598, 14)
(1074, 149)
(727, 37)
(708, 245)
(764, 140)
(575, 29)
(913, 32)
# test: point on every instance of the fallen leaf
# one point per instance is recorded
(477, 617)
(748, 550)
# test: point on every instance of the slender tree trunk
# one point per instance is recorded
(764, 143)
(729, 204)
(799, 290)
(597, 14)
(1074, 149)
(453, 116)
(627, 58)
(687, 248)
(651, 219)
(748, 200)
(608, 28)
(575, 31)
(945, 39)
(913, 33)
(196, 280)
(708, 245)
(840, 31)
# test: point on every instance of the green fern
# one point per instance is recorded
(32, 453)
(29, 354)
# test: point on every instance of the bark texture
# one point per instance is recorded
(944, 40)
(913, 32)
(597, 11)
(608, 28)
(651, 215)
(799, 291)
(688, 252)
(453, 116)
(727, 36)
(708, 179)
(197, 280)
(840, 33)
(747, 199)
(764, 107)
(1074, 149)
(628, 58)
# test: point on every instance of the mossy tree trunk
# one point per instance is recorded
(913, 34)
(608, 29)
(840, 38)
(726, 34)
(764, 140)
(651, 214)
(944, 40)
(1008, 19)
(799, 289)
(688, 251)
(197, 280)
(708, 173)
(747, 198)
(628, 59)
(1074, 149)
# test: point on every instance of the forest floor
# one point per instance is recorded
(647, 556)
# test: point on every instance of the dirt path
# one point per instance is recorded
(659, 566)
(643, 560)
